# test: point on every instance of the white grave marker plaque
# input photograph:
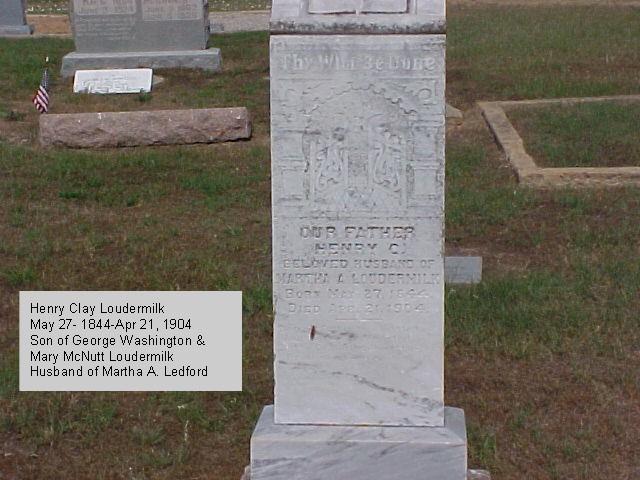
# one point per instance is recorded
(134, 80)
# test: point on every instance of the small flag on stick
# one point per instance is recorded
(41, 98)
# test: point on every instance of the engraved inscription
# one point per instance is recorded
(357, 165)
(111, 28)
(116, 84)
(359, 145)
(113, 81)
(357, 271)
(162, 10)
(104, 7)
(337, 61)
(358, 199)
(361, 150)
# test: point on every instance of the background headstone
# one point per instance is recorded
(12, 18)
(140, 33)
(357, 141)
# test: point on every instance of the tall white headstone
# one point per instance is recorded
(12, 18)
(358, 124)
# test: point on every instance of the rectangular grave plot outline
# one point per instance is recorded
(528, 172)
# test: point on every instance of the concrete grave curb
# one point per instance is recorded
(530, 174)
(131, 129)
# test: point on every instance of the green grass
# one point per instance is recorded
(603, 134)
(22, 62)
(473, 197)
(519, 52)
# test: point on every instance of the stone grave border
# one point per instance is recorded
(525, 167)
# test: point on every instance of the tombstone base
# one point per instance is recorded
(472, 474)
(15, 30)
(209, 60)
(321, 452)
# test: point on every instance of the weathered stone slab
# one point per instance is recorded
(358, 173)
(130, 80)
(12, 18)
(130, 129)
(208, 60)
(288, 452)
(462, 270)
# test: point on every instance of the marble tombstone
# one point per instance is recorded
(113, 81)
(140, 34)
(357, 148)
(12, 18)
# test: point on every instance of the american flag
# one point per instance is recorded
(41, 98)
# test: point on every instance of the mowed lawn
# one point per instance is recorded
(599, 134)
(543, 355)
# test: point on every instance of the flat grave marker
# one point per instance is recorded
(133, 80)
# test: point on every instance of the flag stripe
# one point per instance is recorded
(41, 97)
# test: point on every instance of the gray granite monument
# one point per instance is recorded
(140, 34)
(357, 148)
(12, 18)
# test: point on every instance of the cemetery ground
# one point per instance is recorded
(555, 136)
(543, 355)
(62, 6)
